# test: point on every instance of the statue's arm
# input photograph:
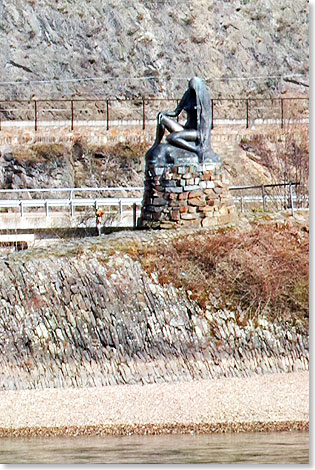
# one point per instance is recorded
(179, 108)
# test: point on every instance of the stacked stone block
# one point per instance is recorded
(194, 195)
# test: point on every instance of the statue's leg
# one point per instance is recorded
(164, 122)
(160, 130)
(170, 124)
(186, 139)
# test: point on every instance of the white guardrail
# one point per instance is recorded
(73, 201)
(70, 202)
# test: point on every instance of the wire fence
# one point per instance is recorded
(143, 111)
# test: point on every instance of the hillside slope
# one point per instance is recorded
(118, 41)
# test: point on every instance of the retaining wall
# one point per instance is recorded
(135, 134)
(84, 313)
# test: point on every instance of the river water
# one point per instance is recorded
(248, 448)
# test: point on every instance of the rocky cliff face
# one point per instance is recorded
(150, 47)
(87, 314)
(70, 165)
(31, 170)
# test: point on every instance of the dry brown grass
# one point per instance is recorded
(38, 153)
(287, 159)
(122, 150)
(264, 270)
(110, 165)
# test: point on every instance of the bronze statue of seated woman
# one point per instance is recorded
(190, 142)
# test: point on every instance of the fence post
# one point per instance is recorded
(247, 113)
(71, 204)
(35, 115)
(242, 205)
(282, 115)
(291, 197)
(21, 208)
(107, 115)
(120, 209)
(72, 115)
(71, 208)
(263, 194)
(134, 215)
(212, 125)
(47, 208)
(143, 114)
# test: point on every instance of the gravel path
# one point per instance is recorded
(274, 398)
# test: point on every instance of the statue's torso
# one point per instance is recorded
(190, 106)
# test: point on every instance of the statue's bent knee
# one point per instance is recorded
(160, 116)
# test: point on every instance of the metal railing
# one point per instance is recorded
(289, 200)
(143, 111)
(72, 201)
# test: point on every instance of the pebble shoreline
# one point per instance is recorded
(153, 430)
(273, 402)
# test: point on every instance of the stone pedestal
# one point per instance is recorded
(186, 195)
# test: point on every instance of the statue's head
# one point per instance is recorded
(195, 82)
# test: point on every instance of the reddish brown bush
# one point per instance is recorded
(264, 269)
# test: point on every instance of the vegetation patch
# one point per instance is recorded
(109, 165)
(39, 153)
(287, 159)
(260, 271)
(49, 151)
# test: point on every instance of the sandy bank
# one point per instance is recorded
(259, 403)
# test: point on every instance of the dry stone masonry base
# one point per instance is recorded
(194, 195)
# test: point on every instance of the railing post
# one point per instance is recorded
(35, 115)
(282, 115)
(21, 208)
(134, 215)
(263, 194)
(120, 209)
(71, 203)
(46, 208)
(143, 114)
(72, 115)
(242, 205)
(107, 115)
(71, 208)
(291, 197)
(212, 107)
(247, 113)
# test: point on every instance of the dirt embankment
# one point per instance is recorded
(96, 157)
(74, 164)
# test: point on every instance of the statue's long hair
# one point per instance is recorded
(204, 114)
